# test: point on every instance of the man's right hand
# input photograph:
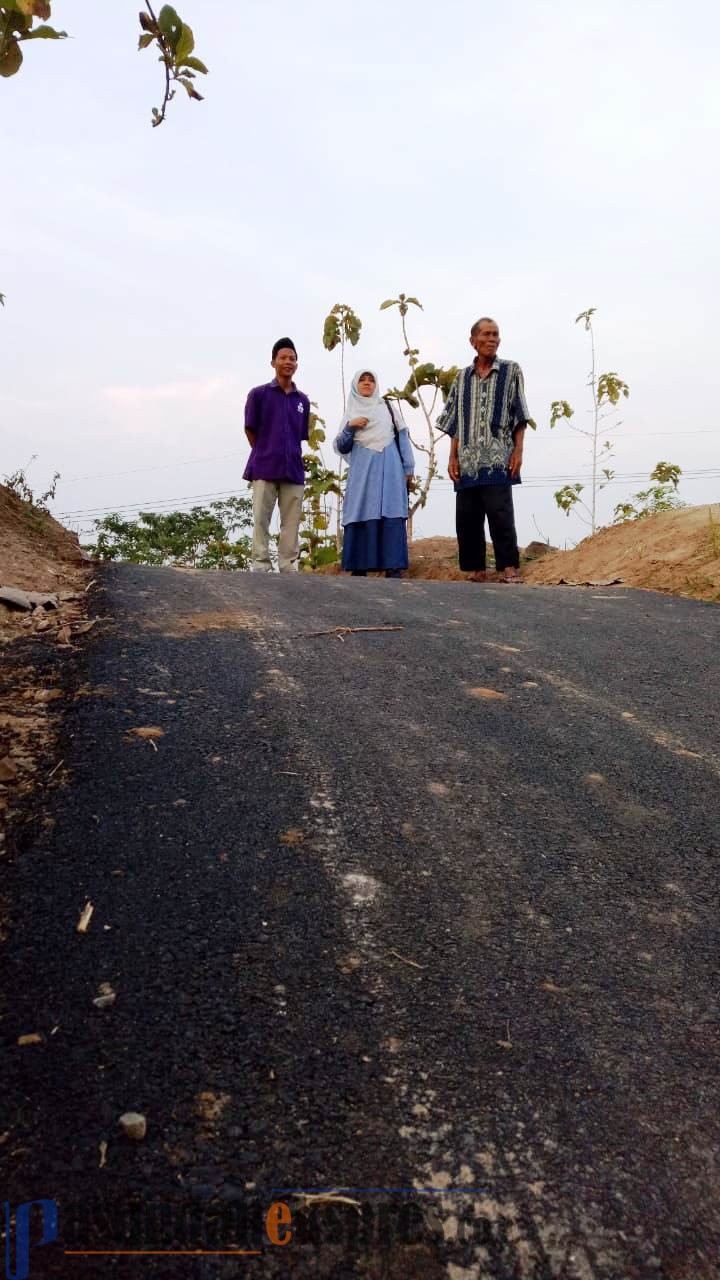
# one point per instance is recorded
(357, 424)
(454, 468)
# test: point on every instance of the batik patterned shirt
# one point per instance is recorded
(485, 413)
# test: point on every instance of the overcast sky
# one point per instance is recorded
(524, 160)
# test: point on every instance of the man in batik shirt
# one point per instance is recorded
(485, 417)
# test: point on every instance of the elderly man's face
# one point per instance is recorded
(486, 340)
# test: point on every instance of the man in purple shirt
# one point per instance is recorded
(277, 417)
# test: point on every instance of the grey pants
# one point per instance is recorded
(266, 493)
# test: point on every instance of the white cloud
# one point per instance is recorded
(187, 392)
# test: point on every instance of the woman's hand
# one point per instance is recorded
(357, 424)
(411, 485)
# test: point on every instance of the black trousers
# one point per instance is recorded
(495, 502)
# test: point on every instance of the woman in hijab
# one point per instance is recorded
(381, 466)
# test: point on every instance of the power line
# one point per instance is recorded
(162, 466)
(629, 477)
(221, 457)
(190, 497)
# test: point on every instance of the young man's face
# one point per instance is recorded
(285, 362)
(486, 340)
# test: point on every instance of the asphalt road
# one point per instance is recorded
(426, 917)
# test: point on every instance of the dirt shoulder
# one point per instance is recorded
(36, 554)
(677, 552)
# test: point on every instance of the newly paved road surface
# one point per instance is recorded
(428, 916)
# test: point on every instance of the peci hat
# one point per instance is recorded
(283, 342)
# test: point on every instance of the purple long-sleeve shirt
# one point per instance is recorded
(279, 421)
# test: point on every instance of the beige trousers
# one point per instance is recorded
(266, 493)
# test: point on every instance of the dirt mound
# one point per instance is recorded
(35, 551)
(434, 558)
(429, 558)
(37, 554)
(677, 552)
(438, 558)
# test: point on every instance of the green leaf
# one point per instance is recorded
(196, 65)
(331, 332)
(185, 44)
(586, 316)
(45, 33)
(11, 60)
(389, 302)
(559, 409)
(326, 555)
(145, 40)
(170, 25)
(353, 325)
(415, 302)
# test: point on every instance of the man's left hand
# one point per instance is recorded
(515, 462)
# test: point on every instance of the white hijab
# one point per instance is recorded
(379, 432)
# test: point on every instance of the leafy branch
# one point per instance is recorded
(421, 375)
(606, 391)
(176, 42)
(317, 545)
(20, 485)
(659, 496)
(172, 38)
(341, 326)
(167, 32)
(17, 26)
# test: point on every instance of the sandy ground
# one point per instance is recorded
(677, 552)
(437, 558)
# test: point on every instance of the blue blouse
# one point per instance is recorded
(376, 487)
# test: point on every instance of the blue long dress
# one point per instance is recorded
(376, 503)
